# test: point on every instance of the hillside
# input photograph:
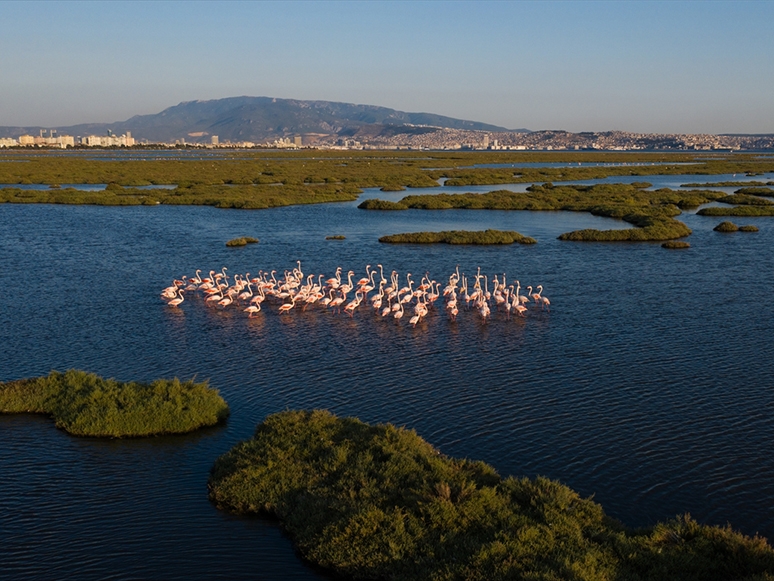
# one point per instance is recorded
(259, 119)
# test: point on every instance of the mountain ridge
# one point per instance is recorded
(260, 119)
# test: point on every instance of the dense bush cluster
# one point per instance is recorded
(652, 212)
(85, 404)
(459, 237)
(378, 502)
(242, 241)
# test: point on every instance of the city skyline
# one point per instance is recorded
(649, 67)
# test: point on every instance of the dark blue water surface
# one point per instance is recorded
(649, 385)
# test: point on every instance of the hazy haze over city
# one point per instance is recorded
(661, 67)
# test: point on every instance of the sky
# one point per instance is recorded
(697, 66)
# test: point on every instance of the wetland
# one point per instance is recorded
(644, 387)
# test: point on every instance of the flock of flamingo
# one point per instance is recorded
(389, 298)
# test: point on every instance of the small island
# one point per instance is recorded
(378, 502)
(479, 237)
(675, 245)
(243, 241)
(652, 213)
(336, 237)
(726, 227)
(84, 404)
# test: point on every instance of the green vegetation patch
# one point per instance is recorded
(378, 502)
(377, 204)
(726, 227)
(85, 404)
(740, 211)
(745, 200)
(675, 244)
(459, 237)
(243, 241)
(247, 197)
(651, 212)
(748, 228)
(336, 237)
(756, 191)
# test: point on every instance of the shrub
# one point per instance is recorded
(377, 204)
(726, 227)
(675, 244)
(378, 502)
(484, 237)
(85, 404)
(243, 241)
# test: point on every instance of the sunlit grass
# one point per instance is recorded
(459, 237)
(85, 404)
(378, 502)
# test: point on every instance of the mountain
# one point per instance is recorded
(261, 119)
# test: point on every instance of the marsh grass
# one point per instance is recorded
(651, 212)
(739, 211)
(748, 228)
(377, 204)
(675, 244)
(243, 241)
(745, 200)
(378, 502)
(757, 191)
(483, 237)
(726, 226)
(248, 197)
(85, 404)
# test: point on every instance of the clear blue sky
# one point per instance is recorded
(694, 67)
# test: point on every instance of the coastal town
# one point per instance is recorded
(415, 137)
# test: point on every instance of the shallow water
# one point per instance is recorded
(648, 385)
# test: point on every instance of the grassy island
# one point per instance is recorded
(377, 204)
(243, 241)
(651, 212)
(675, 244)
(85, 404)
(336, 237)
(726, 227)
(748, 228)
(247, 197)
(745, 200)
(378, 502)
(265, 178)
(757, 191)
(739, 211)
(459, 237)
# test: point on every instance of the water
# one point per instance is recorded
(648, 385)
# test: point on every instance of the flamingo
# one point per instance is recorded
(176, 302)
(252, 309)
(287, 306)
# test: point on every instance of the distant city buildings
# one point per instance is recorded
(429, 138)
(109, 140)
